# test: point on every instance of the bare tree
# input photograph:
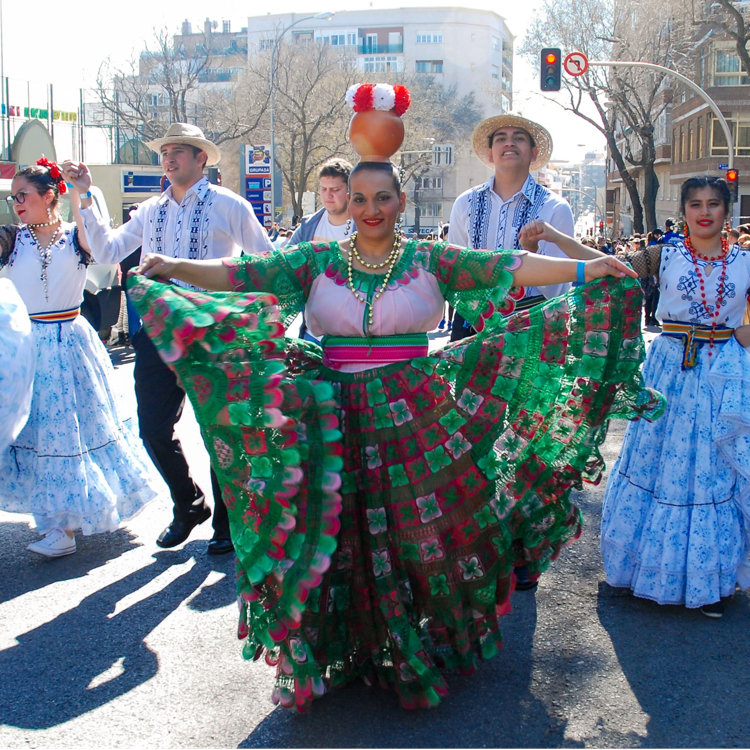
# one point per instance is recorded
(617, 101)
(170, 83)
(731, 17)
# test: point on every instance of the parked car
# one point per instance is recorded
(102, 293)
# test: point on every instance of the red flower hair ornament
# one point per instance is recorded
(54, 173)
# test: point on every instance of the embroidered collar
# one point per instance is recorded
(200, 189)
(528, 191)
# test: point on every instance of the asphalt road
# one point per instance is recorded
(126, 645)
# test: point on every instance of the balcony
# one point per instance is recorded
(380, 49)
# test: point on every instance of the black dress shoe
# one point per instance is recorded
(179, 530)
(220, 546)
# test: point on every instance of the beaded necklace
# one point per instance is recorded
(45, 253)
(694, 256)
(389, 262)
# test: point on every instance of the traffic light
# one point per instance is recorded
(550, 69)
(733, 179)
(601, 227)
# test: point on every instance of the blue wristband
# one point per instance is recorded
(581, 272)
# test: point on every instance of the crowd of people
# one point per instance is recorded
(385, 498)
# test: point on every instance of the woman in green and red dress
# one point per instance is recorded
(374, 487)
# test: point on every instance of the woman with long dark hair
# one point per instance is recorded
(675, 523)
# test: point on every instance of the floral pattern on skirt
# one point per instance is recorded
(78, 463)
(672, 521)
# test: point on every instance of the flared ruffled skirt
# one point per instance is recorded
(16, 363)
(377, 516)
(79, 463)
(675, 516)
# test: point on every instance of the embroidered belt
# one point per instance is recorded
(694, 335)
(527, 303)
(376, 350)
(55, 316)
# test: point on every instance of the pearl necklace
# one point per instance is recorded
(45, 253)
(390, 262)
(694, 255)
(45, 223)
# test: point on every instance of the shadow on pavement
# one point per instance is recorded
(33, 571)
(86, 656)
(688, 673)
(494, 707)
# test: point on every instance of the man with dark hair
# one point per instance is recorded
(192, 218)
(670, 234)
(331, 222)
(491, 215)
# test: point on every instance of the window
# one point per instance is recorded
(740, 130)
(700, 144)
(430, 183)
(727, 69)
(442, 155)
(495, 72)
(431, 210)
(265, 44)
(429, 66)
(496, 43)
(429, 38)
(381, 64)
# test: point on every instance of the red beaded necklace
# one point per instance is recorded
(694, 255)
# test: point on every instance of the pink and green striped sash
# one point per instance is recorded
(376, 350)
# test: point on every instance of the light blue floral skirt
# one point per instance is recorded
(77, 463)
(675, 522)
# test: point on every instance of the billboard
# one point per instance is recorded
(259, 181)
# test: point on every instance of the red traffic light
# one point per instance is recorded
(550, 58)
(732, 175)
(550, 69)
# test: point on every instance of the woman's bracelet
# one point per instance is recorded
(581, 272)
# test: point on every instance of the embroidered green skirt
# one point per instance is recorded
(377, 516)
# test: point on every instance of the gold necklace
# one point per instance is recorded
(394, 251)
(45, 253)
(390, 261)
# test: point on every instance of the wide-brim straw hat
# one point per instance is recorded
(482, 132)
(192, 135)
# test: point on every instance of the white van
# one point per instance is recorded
(101, 295)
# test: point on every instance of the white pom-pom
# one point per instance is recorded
(383, 97)
(350, 92)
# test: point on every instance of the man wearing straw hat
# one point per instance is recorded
(491, 215)
(191, 219)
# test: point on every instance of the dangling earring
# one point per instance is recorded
(398, 226)
(49, 213)
(348, 227)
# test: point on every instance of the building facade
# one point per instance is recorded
(466, 49)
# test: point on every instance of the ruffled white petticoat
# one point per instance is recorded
(16, 363)
(77, 463)
(676, 516)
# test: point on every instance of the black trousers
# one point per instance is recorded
(160, 403)
(461, 328)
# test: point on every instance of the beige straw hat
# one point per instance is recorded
(182, 132)
(480, 138)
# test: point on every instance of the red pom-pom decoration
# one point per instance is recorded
(363, 98)
(403, 99)
(62, 187)
(54, 171)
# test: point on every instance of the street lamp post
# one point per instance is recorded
(318, 16)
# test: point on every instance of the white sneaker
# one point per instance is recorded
(55, 544)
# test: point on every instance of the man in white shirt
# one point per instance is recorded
(190, 219)
(491, 215)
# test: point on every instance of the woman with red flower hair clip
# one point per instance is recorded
(77, 463)
(375, 488)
